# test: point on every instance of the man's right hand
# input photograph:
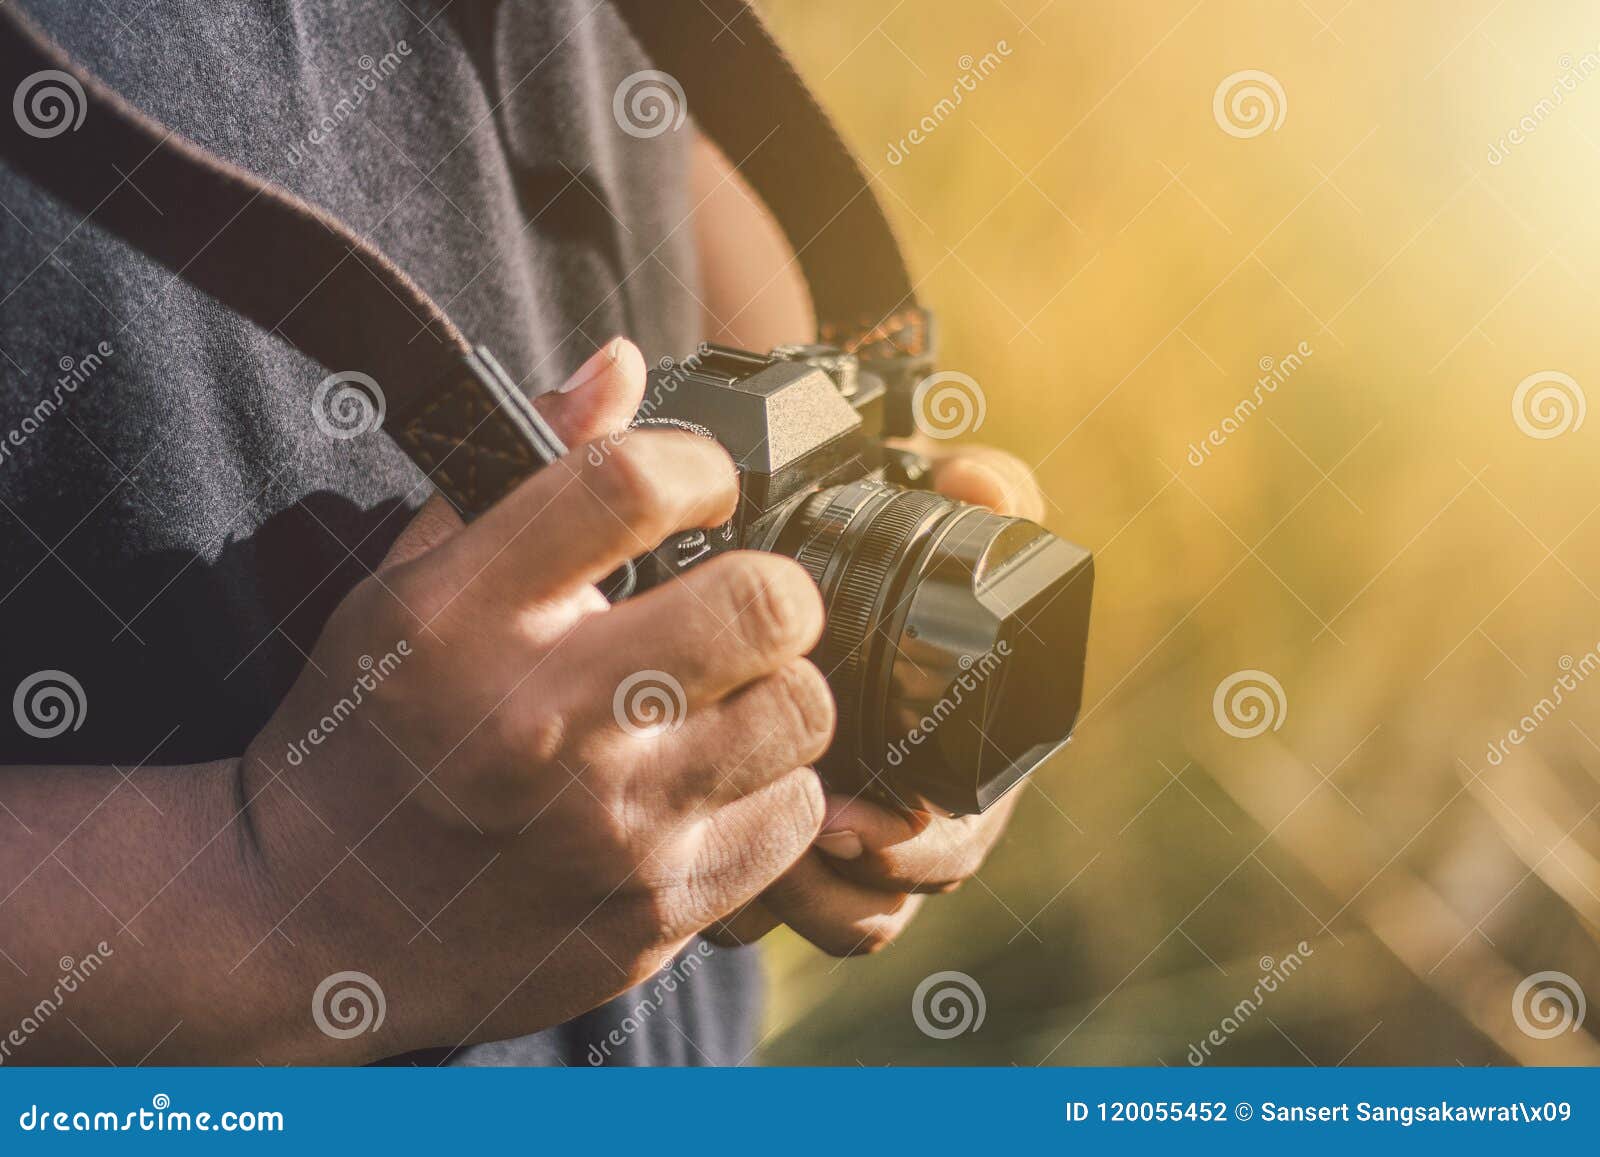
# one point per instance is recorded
(490, 832)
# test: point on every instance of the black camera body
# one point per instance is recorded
(955, 638)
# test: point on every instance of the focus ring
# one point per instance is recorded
(839, 530)
(824, 518)
(874, 554)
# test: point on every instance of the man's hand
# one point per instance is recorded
(493, 830)
(870, 867)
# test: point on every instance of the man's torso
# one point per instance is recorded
(177, 524)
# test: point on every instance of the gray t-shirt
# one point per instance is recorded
(174, 526)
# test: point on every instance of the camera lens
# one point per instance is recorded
(954, 642)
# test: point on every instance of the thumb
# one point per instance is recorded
(435, 522)
(601, 397)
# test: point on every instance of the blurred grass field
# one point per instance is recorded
(1404, 544)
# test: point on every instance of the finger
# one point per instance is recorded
(730, 749)
(743, 926)
(579, 519)
(749, 843)
(600, 398)
(991, 478)
(436, 522)
(737, 618)
(907, 851)
(838, 915)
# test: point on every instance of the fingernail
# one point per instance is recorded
(840, 845)
(601, 360)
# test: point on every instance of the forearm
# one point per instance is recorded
(136, 924)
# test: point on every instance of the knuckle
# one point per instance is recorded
(631, 810)
(509, 772)
(866, 937)
(773, 602)
(638, 865)
(538, 736)
(877, 936)
(944, 878)
(877, 932)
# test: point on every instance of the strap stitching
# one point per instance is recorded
(472, 447)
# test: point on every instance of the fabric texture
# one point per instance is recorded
(176, 521)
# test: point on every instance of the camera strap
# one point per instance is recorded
(304, 275)
(747, 97)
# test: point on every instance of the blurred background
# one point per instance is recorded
(1292, 306)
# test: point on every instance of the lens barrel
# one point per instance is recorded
(954, 643)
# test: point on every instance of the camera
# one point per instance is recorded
(955, 637)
